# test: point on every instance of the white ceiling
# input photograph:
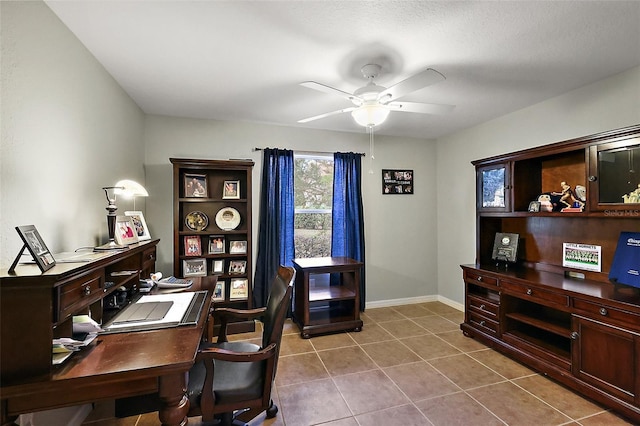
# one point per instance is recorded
(244, 60)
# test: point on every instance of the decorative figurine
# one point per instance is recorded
(567, 198)
(632, 197)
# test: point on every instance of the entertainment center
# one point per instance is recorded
(565, 321)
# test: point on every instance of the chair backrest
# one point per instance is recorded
(277, 305)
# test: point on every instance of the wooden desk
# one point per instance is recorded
(114, 365)
(323, 308)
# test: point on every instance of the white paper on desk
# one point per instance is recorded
(181, 302)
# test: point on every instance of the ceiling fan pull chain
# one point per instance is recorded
(371, 149)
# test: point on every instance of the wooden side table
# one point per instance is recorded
(321, 307)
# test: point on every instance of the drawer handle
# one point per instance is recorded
(479, 278)
(87, 290)
(529, 292)
(482, 323)
(482, 306)
(575, 335)
(603, 311)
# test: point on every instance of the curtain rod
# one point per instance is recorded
(313, 152)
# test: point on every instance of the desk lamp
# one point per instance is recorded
(126, 188)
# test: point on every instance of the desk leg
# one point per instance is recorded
(174, 403)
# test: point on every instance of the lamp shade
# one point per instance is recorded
(369, 115)
(130, 188)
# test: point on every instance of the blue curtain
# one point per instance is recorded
(347, 235)
(275, 231)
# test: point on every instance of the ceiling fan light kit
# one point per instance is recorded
(373, 103)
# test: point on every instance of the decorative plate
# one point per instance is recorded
(196, 221)
(228, 218)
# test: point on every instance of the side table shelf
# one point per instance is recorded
(327, 295)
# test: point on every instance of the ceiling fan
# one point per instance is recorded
(373, 103)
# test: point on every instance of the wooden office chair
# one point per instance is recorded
(235, 378)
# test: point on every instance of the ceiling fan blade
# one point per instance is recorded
(436, 109)
(328, 114)
(411, 84)
(328, 89)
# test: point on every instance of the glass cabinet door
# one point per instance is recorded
(493, 188)
(614, 179)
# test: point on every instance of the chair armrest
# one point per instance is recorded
(232, 356)
(226, 314)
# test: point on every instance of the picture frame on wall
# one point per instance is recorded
(397, 181)
(231, 190)
(34, 243)
(194, 267)
(218, 291)
(139, 225)
(238, 247)
(192, 245)
(195, 185)
(125, 233)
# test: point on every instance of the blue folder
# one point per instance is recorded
(625, 268)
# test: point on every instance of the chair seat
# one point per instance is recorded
(233, 381)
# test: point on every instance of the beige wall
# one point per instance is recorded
(68, 129)
(400, 231)
(608, 104)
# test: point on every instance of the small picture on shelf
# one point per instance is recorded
(231, 190)
(239, 289)
(216, 244)
(237, 267)
(125, 233)
(36, 246)
(192, 246)
(534, 206)
(238, 247)
(218, 291)
(218, 267)
(194, 267)
(195, 185)
(139, 225)
(582, 256)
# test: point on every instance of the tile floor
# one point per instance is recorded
(410, 365)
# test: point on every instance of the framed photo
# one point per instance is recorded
(192, 245)
(397, 181)
(218, 267)
(194, 267)
(195, 185)
(582, 256)
(534, 206)
(505, 247)
(218, 291)
(231, 190)
(239, 289)
(139, 225)
(216, 244)
(125, 233)
(237, 267)
(238, 247)
(36, 246)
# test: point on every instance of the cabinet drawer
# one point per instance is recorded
(148, 257)
(79, 293)
(483, 323)
(483, 306)
(599, 311)
(478, 278)
(536, 294)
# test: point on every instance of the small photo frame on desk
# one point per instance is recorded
(231, 190)
(125, 233)
(36, 246)
(194, 267)
(139, 225)
(195, 185)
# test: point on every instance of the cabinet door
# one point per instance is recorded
(607, 357)
(494, 187)
(614, 177)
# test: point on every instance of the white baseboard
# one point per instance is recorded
(412, 300)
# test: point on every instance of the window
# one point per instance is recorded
(313, 187)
